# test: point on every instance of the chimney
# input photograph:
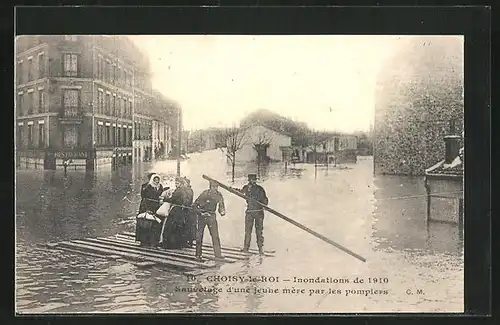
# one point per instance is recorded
(452, 143)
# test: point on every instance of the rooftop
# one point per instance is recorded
(455, 169)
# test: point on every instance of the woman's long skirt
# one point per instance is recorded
(173, 234)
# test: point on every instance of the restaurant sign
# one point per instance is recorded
(71, 154)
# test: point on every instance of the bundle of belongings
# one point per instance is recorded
(148, 228)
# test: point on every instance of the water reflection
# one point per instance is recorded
(339, 203)
(400, 218)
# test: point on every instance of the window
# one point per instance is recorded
(70, 136)
(114, 138)
(99, 135)
(71, 38)
(100, 102)
(119, 76)
(20, 136)
(30, 70)
(114, 105)
(130, 109)
(20, 108)
(130, 137)
(70, 65)
(100, 68)
(124, 107)
(117, 135)
(20, 73)
(108, 104)
(41, 65)
(41, 101)
(108, 135)
(105, 67)
(103, 135)
(71, 102)
(30, 136)
(31, 103)
(41, 135)
(118, 106)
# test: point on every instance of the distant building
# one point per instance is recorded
(419, 94)
(205, 139)
(77, 97)
(264, 140)
(340, 148)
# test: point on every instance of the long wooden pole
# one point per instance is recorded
(293, 222)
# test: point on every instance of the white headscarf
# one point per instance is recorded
(155, 186)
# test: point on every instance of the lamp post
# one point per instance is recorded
(92, 152)
(315, 155)
(179, 132)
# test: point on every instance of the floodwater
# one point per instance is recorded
(379, 218)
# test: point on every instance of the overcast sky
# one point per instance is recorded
(326, 81)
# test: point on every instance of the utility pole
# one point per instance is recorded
(179, 132)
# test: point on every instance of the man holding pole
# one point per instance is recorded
(254, 213)
(205, 207)
(282, 216)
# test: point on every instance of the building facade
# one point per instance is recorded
(271, 142)
(340, 148)
(75, 100)
(419, 95)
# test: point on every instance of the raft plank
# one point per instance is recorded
(226, 254)
(137, 250)
(232, 248)
(174, 252)
(238, 251)
(230, 256)
(150, 251)
(132, 256)
(143, 265)
(81, 252)
(211, 256)
(190, 252)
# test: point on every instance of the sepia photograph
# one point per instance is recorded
(215, 174)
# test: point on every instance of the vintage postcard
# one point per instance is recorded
(239, 174)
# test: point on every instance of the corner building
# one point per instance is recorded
(75, 98)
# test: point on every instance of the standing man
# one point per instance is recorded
(254, 213)
(205, 207)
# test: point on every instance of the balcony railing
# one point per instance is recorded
(69, 114)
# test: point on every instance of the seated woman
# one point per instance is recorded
(175, 222)
(148, 224)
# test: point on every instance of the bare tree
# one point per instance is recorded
(260, 145)
(233, 139)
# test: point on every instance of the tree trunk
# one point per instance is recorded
(258, 165)
(233, 163)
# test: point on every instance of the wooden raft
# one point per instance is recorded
(123, 246)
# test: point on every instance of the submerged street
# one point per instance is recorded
(381, 218)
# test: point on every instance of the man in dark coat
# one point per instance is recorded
(254, 213)
(205, 207)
